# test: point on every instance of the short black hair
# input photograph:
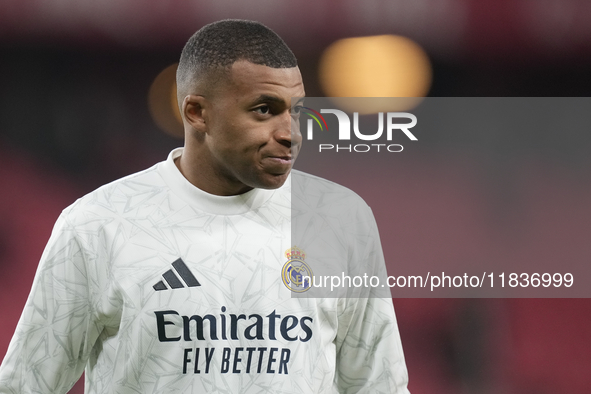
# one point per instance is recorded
(220, 44)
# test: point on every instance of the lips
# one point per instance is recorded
(286, 156)
(278, 164)
(286, 159)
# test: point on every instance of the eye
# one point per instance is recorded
(263, 110)
(296, 110)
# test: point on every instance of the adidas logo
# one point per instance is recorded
(173, 280)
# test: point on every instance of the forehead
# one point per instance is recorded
(249, 80)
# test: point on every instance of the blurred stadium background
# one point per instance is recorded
(85, 99)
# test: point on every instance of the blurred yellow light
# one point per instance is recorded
(162, 102)
(376, 66)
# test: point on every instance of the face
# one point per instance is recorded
(248, 140)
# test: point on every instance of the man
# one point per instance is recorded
(170, 280)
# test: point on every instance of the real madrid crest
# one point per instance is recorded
(296, 274)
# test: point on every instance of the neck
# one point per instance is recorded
(196, 169)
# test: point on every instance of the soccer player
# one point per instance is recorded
(181, 278)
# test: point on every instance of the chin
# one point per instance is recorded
(271, 181)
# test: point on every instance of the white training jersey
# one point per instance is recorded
(151, 285)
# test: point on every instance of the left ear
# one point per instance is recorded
(194, 113)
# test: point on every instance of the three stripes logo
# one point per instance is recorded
(173, 280)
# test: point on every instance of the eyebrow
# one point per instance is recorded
(265, 98)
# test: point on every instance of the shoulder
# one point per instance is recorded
(311, 188)
(117, 197)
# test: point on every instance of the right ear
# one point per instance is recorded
(193, 110)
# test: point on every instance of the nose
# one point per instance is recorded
(288, 131)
